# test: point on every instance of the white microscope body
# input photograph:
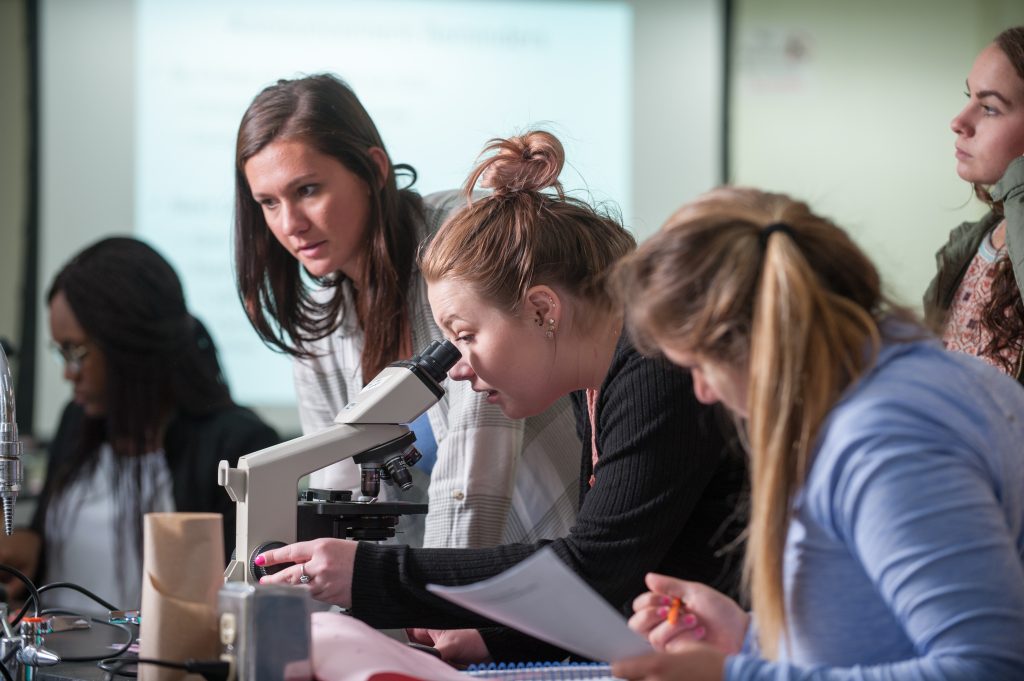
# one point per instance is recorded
(265, 483)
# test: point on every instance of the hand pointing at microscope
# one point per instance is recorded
(326, 564)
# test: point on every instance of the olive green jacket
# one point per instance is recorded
(954, 258)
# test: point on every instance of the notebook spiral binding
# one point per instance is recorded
(543, 671)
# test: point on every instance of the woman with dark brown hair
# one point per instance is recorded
(325, 246)
(976, 299)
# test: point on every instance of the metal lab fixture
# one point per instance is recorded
(28, 648)
(10, 446)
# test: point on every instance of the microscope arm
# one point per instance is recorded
(264, 484)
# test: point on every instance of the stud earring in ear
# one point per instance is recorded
(550, 333)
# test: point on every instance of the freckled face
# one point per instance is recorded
(990, 128)
(315, 207)
(713, 381)
(89, 377)
(502, 356)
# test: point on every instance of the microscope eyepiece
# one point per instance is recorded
(437, 358)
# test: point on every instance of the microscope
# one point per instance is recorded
(368, 430)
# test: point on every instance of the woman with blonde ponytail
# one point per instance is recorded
(887, 482)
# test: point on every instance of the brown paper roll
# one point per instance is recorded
(182, 571)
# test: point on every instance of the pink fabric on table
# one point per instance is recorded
(346, 649)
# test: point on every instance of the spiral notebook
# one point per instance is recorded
(547, 671)
(345, 649)
(540, 596)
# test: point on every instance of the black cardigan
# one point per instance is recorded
(193, 446)
(668, 497)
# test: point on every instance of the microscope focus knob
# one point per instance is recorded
(258, 571)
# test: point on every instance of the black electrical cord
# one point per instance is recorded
(80, 589)
(34, 602)
(211, 670)
(33, 593)
(60, 585)
(95, 658)
(115, 666)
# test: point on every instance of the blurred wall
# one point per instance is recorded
(87, 158)
(13, 155)
(847, 106)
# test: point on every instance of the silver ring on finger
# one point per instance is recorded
(303, 577)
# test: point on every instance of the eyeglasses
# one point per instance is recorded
(72, 354)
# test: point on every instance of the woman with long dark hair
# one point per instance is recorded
(325, 246)
(976, 299)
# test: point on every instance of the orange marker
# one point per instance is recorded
(673, 611)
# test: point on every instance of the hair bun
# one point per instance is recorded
(530, 162)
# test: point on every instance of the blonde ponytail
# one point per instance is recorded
(807, 344)
(756, 280)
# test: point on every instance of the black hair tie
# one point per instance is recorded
(771, 229)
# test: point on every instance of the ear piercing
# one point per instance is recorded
(550, 333)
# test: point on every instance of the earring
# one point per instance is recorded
(550, 333)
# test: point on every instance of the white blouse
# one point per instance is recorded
(82, 529)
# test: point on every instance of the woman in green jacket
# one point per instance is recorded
(975, 299)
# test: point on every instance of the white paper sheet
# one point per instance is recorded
(542, 597)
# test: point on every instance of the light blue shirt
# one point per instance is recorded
(426, 443)
(904, 555)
